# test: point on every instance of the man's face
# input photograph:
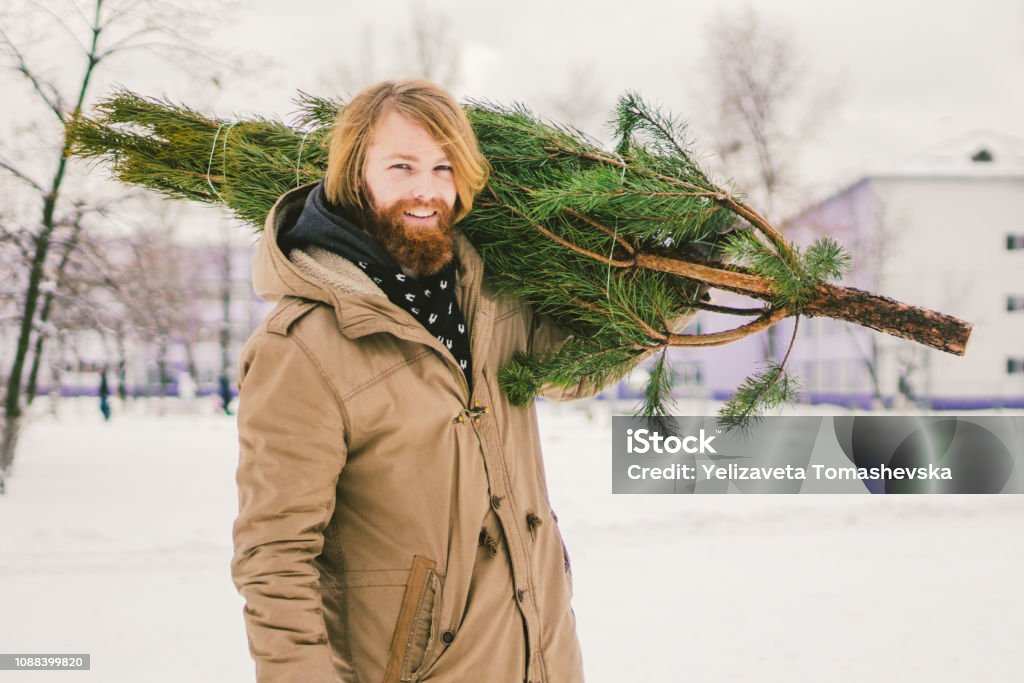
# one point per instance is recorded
(411, 187)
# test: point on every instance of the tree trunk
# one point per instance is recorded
(161, 366)
(122, 370)
(11, 433)
(930, 328)
(46, 310)
(12, 400)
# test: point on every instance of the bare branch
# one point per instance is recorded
(127, 8)
(81, 14)
(52, 100)
(10, 168)
(155, 48)
(124, 42)
(430, 51)
(435, 52)
(578, 101)
(60, 21)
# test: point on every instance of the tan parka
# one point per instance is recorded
(392, 526)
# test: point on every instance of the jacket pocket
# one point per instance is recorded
(414, 628)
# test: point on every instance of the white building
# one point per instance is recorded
(943, 231)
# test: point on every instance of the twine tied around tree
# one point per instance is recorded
(298, 160)
(224, 157)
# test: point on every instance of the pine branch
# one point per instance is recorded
(761, 392)
(658, 398)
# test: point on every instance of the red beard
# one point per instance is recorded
(422, 249)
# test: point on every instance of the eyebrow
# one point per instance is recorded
(406, 157)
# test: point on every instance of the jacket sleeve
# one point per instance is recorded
(545, 334)
(291, 452)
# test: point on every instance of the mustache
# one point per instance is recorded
(399, 208)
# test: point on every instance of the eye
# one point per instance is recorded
(402, 166)
(444, 167)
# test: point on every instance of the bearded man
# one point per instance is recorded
(394, 521)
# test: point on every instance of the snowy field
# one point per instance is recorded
(116, 542)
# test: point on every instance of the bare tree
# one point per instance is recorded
(156, 280)
(430, 50)
(872, 247)
(434, 52)
(580, 102)
(94, 35)
(361, 69)
(762, 106)
(764, 103)
(76, 305)
(74, 275)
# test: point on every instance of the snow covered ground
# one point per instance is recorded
(116, 542)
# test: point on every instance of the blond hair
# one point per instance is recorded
(423, 102)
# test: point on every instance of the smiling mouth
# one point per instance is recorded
(421, 217)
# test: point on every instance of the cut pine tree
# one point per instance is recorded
(618, 245)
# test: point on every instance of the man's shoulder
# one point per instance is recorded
(284, 319)
(286, 313)
(295, 327)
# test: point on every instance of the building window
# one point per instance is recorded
(1015, 302)
(1015, 242)
(689, 374)
(1015, 366)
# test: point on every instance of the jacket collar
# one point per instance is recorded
(360, 306)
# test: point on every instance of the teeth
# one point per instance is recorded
(421, 215)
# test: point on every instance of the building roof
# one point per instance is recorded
(978, 154)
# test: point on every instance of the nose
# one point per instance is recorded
(425, 187)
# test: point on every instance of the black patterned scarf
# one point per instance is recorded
(431, 300)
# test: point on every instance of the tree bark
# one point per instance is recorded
(921, 325)
(13, 398)
(44, 314)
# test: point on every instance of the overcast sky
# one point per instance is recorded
(912, 72)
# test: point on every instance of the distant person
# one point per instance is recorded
(122, 388)
(104, 395)
(224, 390)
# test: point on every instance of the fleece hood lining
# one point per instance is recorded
(333, 271)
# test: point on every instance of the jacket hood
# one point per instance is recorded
(317, 274)
(326, 225)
